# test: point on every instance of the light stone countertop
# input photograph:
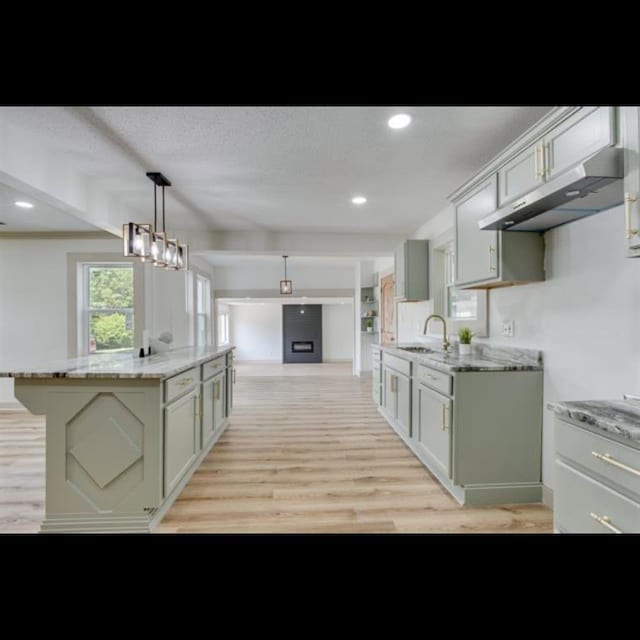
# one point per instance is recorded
(116, 365)
(618, 417)
(483, 358)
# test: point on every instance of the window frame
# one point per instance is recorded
(223, 319)
(199, 277)
(77, 346)
(442, 282)
(86, 309)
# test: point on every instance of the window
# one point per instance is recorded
(108, 318)
(460, 304)
(203, 311)
(223, 324)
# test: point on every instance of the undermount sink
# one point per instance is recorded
(417, 349)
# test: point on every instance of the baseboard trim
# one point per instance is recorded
(547, 496)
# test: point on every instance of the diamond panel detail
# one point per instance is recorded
(108, 451)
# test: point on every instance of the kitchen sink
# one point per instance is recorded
(418, 349)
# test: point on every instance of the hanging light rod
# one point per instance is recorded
(158, 178)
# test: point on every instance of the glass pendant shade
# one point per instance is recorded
(137, 240)
(286, 287)
(171, 254)
(183, 257)
(159, 249)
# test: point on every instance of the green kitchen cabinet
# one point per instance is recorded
(411, 270)
(487, 259)
(432, 425)
(397, 398)
(181, 438)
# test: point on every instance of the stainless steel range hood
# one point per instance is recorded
(585, 189)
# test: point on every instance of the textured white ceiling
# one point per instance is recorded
(42, 217)
(280, 168)
(258, 260)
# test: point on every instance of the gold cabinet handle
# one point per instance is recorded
(185, 382)
(546, 159)
(605, 522)
(196, 400)
(628, 199)
(605, 457)
(217, 390)
(233, 371)
(539, 161)
(445, 417)
(492, 251)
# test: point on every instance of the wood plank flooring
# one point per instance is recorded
(306, 452)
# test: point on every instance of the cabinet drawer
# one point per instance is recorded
(400, 365)
(210, 369)
(612, 461)
(437, 380)
(180, 384)
(583, 505)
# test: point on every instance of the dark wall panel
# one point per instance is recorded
(301, 333)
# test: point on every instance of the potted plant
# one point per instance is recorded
(368, 325)
(465, 334)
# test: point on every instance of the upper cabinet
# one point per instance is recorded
(567, 136)
(630, 133)
(486, 259)
(411, 270)
(573, 140)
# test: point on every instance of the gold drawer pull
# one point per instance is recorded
(185, 382)
(628, 200)
(605, 457)
(605, 522)
(445, 417)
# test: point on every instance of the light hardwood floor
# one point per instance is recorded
(306, 451)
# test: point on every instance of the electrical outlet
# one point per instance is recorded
(508, 329)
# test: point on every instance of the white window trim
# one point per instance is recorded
(207, 314)
(223, 313)
(76, 343)
(479, 326)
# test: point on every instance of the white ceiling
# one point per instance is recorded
(279, 168)
(42, 217)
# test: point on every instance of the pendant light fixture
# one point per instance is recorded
(146, 242)
(286, 286)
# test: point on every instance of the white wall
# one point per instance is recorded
(256, 331)
(584, 317)
(258, 275)
(337, 332)
(410, 320)
(34, 300)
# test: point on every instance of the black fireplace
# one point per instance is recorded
(301, 333)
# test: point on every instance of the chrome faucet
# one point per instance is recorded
(445, 343)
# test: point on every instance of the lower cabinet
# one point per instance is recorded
(214, 407)
(478, 432)
(397, 398)
(432, 425)
(597, 482)
(181, 438)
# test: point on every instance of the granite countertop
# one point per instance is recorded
(484, 358)
(116, 365)
(619, 417)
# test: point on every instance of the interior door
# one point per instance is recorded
(387, 309)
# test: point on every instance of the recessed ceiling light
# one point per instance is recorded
(358, 200)
(23, 204)
(399, 121)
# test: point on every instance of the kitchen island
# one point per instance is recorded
(124, 434)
